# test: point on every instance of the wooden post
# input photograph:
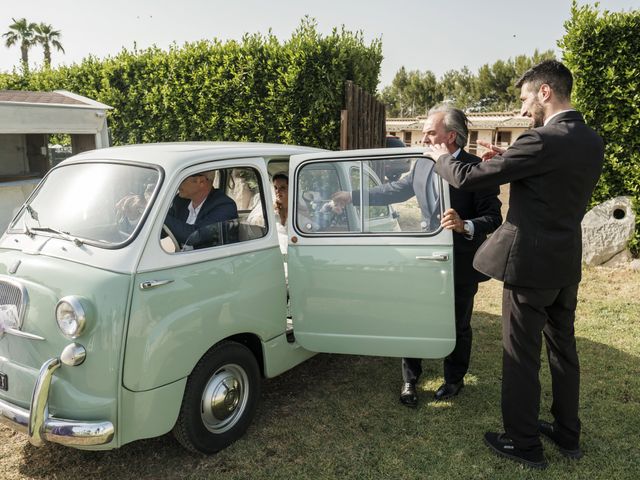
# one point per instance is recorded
(344, 129)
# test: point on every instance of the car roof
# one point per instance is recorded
(178, 155)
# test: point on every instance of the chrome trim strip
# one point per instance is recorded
(436, 257)
(40, 427)
(20, 333)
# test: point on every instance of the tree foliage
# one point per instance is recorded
(255, 89)
(602, 50)
(22, 33)
(411, 93)
(490, 89)
(48, 37)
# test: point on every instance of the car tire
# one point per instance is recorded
(220, 399)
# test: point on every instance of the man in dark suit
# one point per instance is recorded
(553, 169)
(471, 217)
(197, 205)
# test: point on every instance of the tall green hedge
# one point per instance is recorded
(603, 51)
(256, 89)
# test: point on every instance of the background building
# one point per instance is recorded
(27, 121)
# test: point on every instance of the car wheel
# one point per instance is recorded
(220, 399)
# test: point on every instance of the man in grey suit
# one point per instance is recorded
(537, 253)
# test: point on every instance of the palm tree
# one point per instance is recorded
(48, 37)
(22, 32)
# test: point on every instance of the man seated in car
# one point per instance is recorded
(198, 205)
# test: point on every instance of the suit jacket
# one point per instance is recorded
(553, 170)
(217, 207)
(481, 207)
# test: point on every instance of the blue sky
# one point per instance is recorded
(423, 35)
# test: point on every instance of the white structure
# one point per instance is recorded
(26, 121)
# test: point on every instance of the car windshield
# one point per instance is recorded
(97, 203)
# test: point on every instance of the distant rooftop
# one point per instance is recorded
(478, 121)
(58, 97)
(498, 119)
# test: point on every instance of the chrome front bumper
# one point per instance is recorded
(39, 426)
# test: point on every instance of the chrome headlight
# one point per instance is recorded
(70, 315)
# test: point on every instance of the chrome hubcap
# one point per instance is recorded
(224, 398)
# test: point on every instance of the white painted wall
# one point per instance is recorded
(12, 196)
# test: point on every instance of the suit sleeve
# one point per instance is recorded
(523, 159)
(216, 212)
(387, 193)
(487, 206)
(180, 229)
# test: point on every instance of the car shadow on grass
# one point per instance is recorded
(338, 416)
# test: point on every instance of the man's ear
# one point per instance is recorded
(451, 136)
(544, 92)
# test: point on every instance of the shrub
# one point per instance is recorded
(255, 89)
(602, 50)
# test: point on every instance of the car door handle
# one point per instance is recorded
(435, 257)
(153, 284)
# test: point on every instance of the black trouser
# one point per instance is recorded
(526, 314)
(456, 363)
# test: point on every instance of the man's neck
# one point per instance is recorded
(555, 108)
(454, 150)
(197, 200)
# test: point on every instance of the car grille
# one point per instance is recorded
(14, 293)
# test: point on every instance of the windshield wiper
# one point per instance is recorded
(33, 213)
(62, 234)
(34, 216)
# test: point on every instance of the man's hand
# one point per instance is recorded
(452, 221)
(435, 151)
(340, 201)
(492, 150)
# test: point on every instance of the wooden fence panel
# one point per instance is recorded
(362, 120)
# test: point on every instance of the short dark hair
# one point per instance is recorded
(280, 175)
(553, 73)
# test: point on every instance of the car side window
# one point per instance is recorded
(331, 197)
(211, 209)
(317, 182)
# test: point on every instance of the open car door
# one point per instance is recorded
(374, 277)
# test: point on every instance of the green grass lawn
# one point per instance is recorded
(338, 416)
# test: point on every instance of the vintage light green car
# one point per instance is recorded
(113, 330)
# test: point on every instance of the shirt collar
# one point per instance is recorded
(558, 113)
(456, 153)
(193, 213)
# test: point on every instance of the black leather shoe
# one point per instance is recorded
(448, 390)
(571, 451)
(408, 395)
(503, 446)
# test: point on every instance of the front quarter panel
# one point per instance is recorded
(85, 392)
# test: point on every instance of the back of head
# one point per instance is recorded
(454, 120)
(550, 72)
